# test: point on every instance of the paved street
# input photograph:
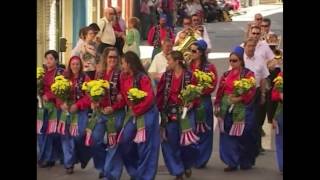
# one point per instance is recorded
(224, 36)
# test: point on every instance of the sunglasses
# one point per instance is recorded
(255, 33)
(233, 60)
(258, 19)
(194, 51)
(264, 25)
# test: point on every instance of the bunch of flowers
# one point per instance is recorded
(204, 79)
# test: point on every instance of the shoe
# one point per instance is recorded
(101, 175)
(229, 169)
(180, 177)
(188, 173)
(46, 164)
(83, 165)
(69, 170)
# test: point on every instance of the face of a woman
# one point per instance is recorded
(234, 61)
(171, 63)
(195, 52)
(124, 66)
(90, 36)
(50, 61)
(75, 66)
(112, 59)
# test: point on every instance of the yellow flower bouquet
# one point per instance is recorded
(278, 83)
(96, 89)
(135, 96)
(204, 79)
(62, 89)
(187, 95)
(241, 87)
(40, 110)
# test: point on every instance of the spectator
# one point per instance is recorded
(106, 36)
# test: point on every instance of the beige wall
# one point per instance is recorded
(67, 28)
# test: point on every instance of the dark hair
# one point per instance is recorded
(194, 15)
(134, 62)
(203, 57)
(81, 31)
(54, 54)
(104, 56)
(178, 56)
(86, 30)
(68, 73)
(240, 58)
(135, 22)
(94, 27)
(267, 20)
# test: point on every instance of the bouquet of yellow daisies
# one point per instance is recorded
(278, 82)
(62, 89)
(187, 95)
(96, 89)
(135, 95)
(40, 110)
(241, 87)
(204, 79)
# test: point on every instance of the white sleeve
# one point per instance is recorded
(153, 66)
(264, 71)
(101, 24)
(268, 53)
(177, 36)
(206, 37)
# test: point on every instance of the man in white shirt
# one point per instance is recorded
(159, 63)
(256, 63)
(262, 49)
(196, 21)
(106, 35)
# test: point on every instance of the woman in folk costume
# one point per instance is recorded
(74, 118)
(109, 124)
(237, 125)
(179, 155)
(277, 96)
(158, 33)
(204, 115)
(48, 140)
(139, 140)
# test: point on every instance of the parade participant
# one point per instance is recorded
(236, 149)
(49, 142)
(200, 61)
(178, 158)
(110, 122)
(139, 140)
(73, 146)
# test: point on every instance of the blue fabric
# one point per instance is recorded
(113, 162)
(238, 51)
(279, 142)
(79, 18)
(239, 151)
(178, 158)
(141, 160)
(201, 44)
(73, 148)
(206, 139)
(49, 144)
(98, 147)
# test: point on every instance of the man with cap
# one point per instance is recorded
(159, 33)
